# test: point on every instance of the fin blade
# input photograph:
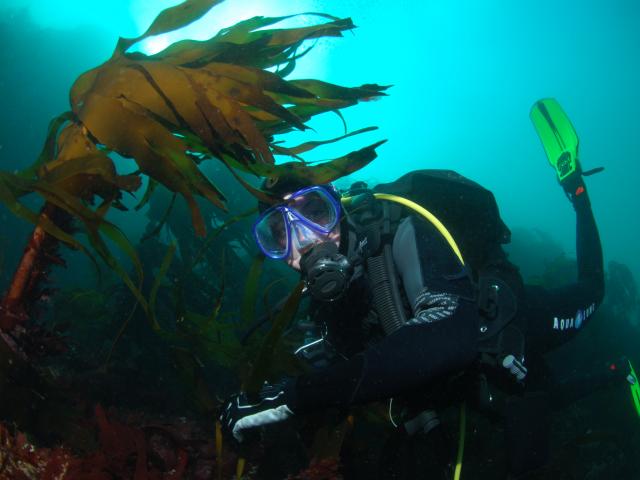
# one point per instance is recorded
(558, 137)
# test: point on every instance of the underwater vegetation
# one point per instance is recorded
(170, 112)
(122, 379)
(62, 351)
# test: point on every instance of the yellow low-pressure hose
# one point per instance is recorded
(463, 428)
(239, 468)
(241, 460)
(422, 211)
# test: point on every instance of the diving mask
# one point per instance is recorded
(303, 216)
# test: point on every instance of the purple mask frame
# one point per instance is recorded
(285, 210)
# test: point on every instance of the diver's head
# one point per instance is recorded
(302, 217)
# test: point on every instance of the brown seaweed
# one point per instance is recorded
(195, 100)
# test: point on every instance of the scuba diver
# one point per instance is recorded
(406, 315)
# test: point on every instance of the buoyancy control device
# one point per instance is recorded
(467, 215)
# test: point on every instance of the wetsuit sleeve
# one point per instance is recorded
(440, 338)
(555, 315)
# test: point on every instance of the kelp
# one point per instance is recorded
(171, 19)
(164, 267)
(193, 101)
(261, 365)
(217, 91)
(248, 308)
(35, 259)
(190, 369)
(9, 193)
(156, 230)
(26, 287)
(213, 339)
(217, 304)
(307, 146)
(225, 100)
(211, 237)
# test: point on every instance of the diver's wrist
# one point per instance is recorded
(576, 190)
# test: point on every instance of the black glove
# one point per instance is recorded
(273, 405)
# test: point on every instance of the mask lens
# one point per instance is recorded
(271, 234)
(316, 207)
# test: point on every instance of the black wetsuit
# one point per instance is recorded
(441, 337)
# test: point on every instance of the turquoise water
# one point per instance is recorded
(464, 76)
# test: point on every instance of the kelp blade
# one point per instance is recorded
(170, 19)
(248, 309)
(267, 350)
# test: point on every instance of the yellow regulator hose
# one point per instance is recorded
(423, 212)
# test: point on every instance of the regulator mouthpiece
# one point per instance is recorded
(326, 272)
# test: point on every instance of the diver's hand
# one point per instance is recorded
(239, 415)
